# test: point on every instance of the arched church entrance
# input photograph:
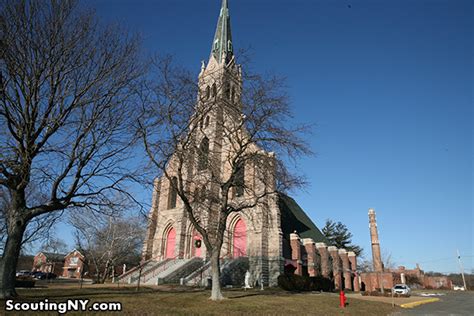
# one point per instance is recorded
(239, 239)
(170, 243)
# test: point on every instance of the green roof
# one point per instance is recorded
(222, 45)
(293, 218)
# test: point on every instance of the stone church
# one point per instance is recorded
(270, 236)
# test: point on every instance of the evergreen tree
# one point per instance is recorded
(339, 235)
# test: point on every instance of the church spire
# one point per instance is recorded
(222, 49)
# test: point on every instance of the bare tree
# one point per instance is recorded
(387, 260)
(39, 230)
(55, 245)
(65, 112)
(107, 240)
(222, 149)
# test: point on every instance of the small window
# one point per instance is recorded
(207, 121)
(208, 93)
(196, 194)
(203, 154)
(214, 90)
(229, 46)
(201, 124)
(227, 92)
(173, 193)
(202, 196)
(232, 97)
(239, 181)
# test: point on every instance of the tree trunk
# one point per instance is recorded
(9, 260)
(216, 293)
(106, 273)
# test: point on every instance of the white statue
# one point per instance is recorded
(247, 280)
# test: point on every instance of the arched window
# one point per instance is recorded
(214, 90)
(208, 93)
(207, 121)
(239, 239)
(173, 193)
(203, 154)
(239, 181)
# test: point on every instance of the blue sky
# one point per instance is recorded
(389, 87)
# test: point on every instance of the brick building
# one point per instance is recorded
(73, 265)
(48, 262)
(387, 278)
(263, 234)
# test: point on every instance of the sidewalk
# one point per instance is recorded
(405, 302)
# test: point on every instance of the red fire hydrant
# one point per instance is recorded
(342, 299)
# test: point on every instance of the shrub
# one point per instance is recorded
(320, 283)
(297, 283)
(24, 281)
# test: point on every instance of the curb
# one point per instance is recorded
(413, 304)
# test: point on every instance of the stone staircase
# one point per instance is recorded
(232, 273)
(132, 274)
(151, 271)
(199, 276)
(189, 272)
(172, 271)
(189, 267)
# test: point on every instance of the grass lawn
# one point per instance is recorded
(183, 301)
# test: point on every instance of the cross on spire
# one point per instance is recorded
(222, 49)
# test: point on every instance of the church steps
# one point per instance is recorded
(150, 271)
(167, 270)
(133, 273)
(187, 268)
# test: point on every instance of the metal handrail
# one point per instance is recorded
(134, 269)
(160, 268)
(197, 272)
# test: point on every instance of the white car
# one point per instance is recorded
(458, 288)
(23, 273)
(401, 289)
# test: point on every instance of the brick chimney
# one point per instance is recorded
(374, 238)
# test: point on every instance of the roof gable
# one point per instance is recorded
(294, 218)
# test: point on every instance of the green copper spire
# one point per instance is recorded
(222, 49)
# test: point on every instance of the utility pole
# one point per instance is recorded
(462, 270)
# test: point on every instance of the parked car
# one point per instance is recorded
(401, 289)
(39, 275)
(23, 273)
(459, 288)
(51, 275)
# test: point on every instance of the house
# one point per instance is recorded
(49, 262)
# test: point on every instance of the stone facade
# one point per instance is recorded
(261, 233)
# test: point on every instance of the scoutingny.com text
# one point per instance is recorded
(70, 305)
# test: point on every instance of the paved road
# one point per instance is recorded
(453, 303)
